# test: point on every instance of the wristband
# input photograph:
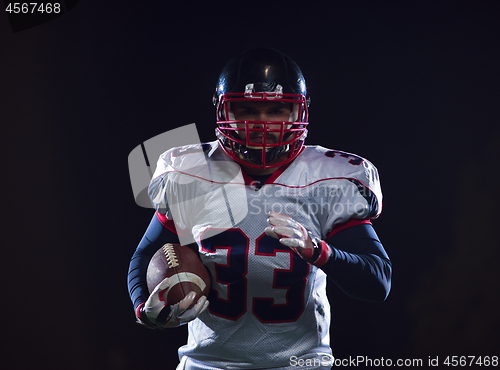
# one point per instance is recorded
(320, 252)
(324, 256)
(317, 249)
(142, 318)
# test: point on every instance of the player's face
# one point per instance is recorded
(261, 111)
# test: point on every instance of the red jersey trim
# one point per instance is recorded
(246, 177)
(168, 224)
(273, 176)
(278, 172)
(345, 225)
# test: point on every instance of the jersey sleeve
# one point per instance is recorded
(157, 234)
(356, 199)
(172, 186)
(160, 183)
(193, 186)
(341, 187)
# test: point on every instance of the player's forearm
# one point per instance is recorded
(364, 277)
(156, 235)
(359, 265)
(137, 286)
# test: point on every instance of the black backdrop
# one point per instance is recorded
(413, 86)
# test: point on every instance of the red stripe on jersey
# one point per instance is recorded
(345, 225)
(168, 224)
(247, 178)
(278, 172)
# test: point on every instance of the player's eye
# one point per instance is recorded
(278, 112)
(245, 111)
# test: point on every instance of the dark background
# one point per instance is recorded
(411, 85)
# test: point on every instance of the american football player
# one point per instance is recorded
(273, 219)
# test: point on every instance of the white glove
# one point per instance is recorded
(156, 313)
(292, 234)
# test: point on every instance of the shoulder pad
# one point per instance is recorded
(317, 163)
(182, 158)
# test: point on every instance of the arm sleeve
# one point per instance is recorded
(157, 234)
(359, 265)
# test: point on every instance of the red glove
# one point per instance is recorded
(292, 234)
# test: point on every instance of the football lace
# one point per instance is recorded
(169, 251)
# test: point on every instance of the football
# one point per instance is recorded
(183, 266)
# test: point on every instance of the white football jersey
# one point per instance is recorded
(268, 307)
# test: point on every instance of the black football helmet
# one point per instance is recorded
(261, 74)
